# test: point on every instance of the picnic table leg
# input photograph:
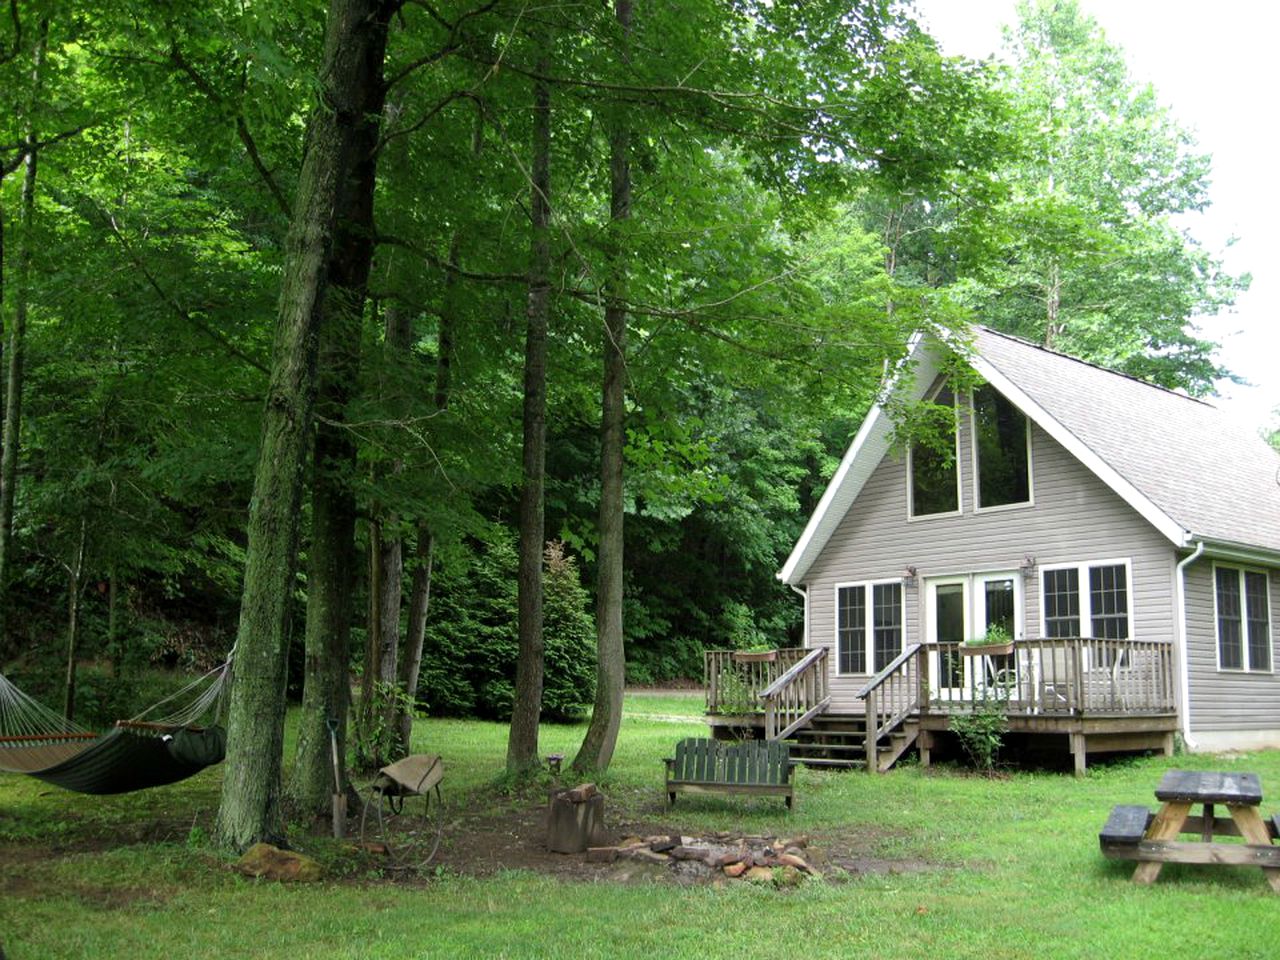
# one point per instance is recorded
(1166, 826)
(1255, 831)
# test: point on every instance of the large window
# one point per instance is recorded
(935, 480)
(1100, 612)
(1244, 619)
(868, 632)
(1001, 450)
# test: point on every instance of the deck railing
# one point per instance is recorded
(1056, 677)
(734, 679)
(797, 696)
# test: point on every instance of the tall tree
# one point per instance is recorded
(16, 349)
(596, 750)
(522, 742)
(349, 77)
(1090, 260)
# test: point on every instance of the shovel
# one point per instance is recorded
(339, 795)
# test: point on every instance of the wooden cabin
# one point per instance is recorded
(1125, 538)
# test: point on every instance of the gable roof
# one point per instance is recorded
(1184, 465)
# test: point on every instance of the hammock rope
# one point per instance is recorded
(150, 749)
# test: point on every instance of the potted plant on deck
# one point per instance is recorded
(996, 642)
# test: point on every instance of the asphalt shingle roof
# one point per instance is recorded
(1216, 478)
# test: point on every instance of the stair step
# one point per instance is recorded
(833, 748)
(832, 764)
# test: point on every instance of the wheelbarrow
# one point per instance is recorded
(393, 794)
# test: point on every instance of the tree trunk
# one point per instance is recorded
(597, 747)
(18, 331)
(415, 634)
(326, 691)
(1053, 303)
(350, 76)
(522, 743)
(74, 572)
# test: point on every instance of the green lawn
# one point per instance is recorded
(1014, 871)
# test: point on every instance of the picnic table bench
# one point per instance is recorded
(753, 767)
(1135, 833)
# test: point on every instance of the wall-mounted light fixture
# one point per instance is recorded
(1028, 567)
(909, 576)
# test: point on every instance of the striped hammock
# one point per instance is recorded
(149, 750)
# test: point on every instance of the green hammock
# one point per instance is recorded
(134, 755)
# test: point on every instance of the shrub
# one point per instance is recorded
(981, 731)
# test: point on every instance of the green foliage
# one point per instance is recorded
(1089, 258)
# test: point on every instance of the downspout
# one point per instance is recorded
(1180, 586)
(804, 593)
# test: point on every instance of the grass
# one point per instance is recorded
(1013, 871)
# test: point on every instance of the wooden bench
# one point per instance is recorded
(1124, 830)
(752, 767)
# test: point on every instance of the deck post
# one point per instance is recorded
(873, 761)
(1078, 754)
(924, 743)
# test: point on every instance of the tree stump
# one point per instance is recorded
(573, 818)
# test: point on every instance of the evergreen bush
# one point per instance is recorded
(469, 657)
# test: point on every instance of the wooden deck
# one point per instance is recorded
(1096, 696)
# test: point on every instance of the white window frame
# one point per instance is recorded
(1086, 595)
(868, 638)
(912, 516)
(977, 476)
(1241, 570)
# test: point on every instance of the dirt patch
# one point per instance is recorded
(508, 835)
(515, 839)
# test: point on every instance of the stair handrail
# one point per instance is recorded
(797, 668)
(879, 679)
(787, 699)
(903, 699)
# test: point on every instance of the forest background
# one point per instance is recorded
(678, 242)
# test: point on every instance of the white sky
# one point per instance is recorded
(1214, 66)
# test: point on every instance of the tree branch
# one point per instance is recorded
(166, 298)
(203, 85)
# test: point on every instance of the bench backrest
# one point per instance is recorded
(746, 762)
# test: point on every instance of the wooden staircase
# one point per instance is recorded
(787, 699)
(840, 742)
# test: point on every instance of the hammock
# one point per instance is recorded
(134, 755)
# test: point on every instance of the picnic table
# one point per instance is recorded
(1134, 833)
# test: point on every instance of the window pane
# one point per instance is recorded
(949, 626)
(1256, 615)
(1230, 640)
(934, 484)
(1061, 603)
(851, 629)
(999, 604)
(886, 623)
(1000, 437)
(1109, 597)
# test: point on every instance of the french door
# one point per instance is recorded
(962, 608)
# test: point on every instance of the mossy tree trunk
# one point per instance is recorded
(350, 70)
(326, 692)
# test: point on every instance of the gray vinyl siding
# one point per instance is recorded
(1075, 518)
(1226, 700)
